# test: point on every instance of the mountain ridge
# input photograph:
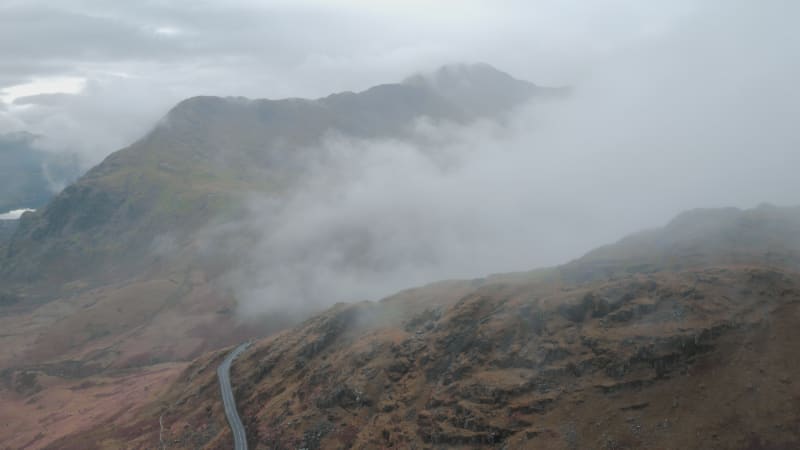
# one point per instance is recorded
(699, 237)
(196, 162)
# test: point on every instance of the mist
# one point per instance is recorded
(705, 117)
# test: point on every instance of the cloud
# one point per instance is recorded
(14, 215)
(125, 106)
(43, 86)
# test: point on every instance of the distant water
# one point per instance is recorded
(15, 214)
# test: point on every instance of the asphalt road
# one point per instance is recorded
(224, 375)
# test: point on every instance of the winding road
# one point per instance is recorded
(224, 375)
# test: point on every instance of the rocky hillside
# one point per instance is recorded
(7, 228)
(689, 353)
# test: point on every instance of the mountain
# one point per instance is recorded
(105, 292)
(195, 165)
(30, 177)
(679, 337)
(480, 89)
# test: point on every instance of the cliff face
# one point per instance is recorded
(693, 357)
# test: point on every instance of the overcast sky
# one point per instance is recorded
(93, 75)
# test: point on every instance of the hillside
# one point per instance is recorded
(693, 352)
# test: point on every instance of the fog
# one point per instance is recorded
(674, 106)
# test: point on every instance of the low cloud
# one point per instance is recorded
(701, 118)
(14, 214)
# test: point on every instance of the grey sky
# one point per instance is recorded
(133, 60)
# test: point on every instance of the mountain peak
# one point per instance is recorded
(455, 92)
(211, 147)
(462, 73)
(479, 88)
